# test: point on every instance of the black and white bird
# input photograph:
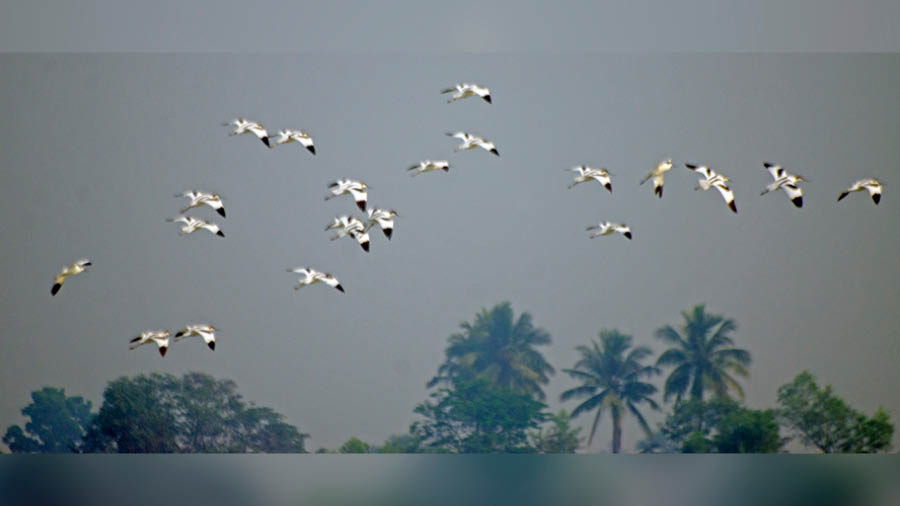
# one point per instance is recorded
(384, 218)
(350, 226)
(608, 228)
(311, 276)
(357, 189)
(658, 176)
(213, 200)
(192, 225)
(712, 179)
(243, 126)
(473, 141)
(586, 174)
(429, 166)
(207, 332)
(466, 90)
(786, 181)
(873, 186)
(287, 136)
(76, 268)
(158, 337)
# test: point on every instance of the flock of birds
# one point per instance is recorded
(358, 229)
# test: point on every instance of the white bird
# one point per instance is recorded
(586, 174)
(286, 136)
(786, 181)
(466, 90)
(874, 187)
(193, 224)
(384, 218)
(213, 200)
(428, 166)
(658, 176)
(76, 268)
(608, 227)
(242, 126)
(207, 332)
(311, 276)
(348, 186)
(354, 227)
(473, 141)
(159, 337)
(714, 179)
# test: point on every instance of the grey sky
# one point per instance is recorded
(101, 142)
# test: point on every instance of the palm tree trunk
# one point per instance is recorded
(617, 430)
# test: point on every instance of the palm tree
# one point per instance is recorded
(499, 348)
(612, 379)
(702, 356)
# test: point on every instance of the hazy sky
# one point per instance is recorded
(94, 147)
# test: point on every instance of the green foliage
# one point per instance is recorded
(721, 426)
(56, 423)
(560, 438)
(824, 420)
(193, 414)
(611, 380)
(702, 356)
(748, 431)
(500, 348)
(403, 443)
(475, 416)
(355, 445)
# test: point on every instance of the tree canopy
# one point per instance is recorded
(720, 426)
(56, 423)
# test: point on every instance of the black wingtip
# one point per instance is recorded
(340, 288)
(179, 334)
(163, 350)
(877, 198)
(221, 211)
(212, 345)
(628, 235)
(220, 233)
(136, 339)
(495, 152)
(88, 263)
(658, 191)
(265, 141)
(312, 149)
(798, 201)
(487, 98)
(388, 232)
(690, 166)
(365, 246)
(842, 195)
(361, 205)
(733, 206)
(608, 187)
(55, 289)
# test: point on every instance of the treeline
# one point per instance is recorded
(488, 397)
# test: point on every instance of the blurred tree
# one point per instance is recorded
(402, 443)
(354, 445)
(56, 423)
(560, 438)
(721, 426)
(612, 380)
(500, 348)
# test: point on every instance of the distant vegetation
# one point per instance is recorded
(487, 397)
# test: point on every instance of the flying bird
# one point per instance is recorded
(311, 276)
(786, 181)
(357, 189)
(354, 227)
(76, 268)
(873, 186)
(384, 218)
(586, 174)
(207, 332)
(429, 166)
(243, 126)
(198, 199)
(159, 337)
(193, 224)
(608, 228)
(286, 136)
(658, 176)
(466, 90)
(713, 179)
(473, 141)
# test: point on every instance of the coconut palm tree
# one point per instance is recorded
(500, 348)
(702, 356)
(611, 377)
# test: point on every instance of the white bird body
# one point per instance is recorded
(658, 176)
(357, 189)
(352, 226)
(466, 90)
(213, 200)
(70, 270)
(586, 174)
(872, 185)
(311, 276)
(192, 224)
(207, 332)
(609, 228)
(243, 126)
(429, 166)
(712, 179)
(786, 181)
(158, 337)
(470, 141)
(287, 136)
(384, 218)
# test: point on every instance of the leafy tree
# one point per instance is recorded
(403, 443)
(611, 379)
(354, 445)
(56, 423)
(656, 443)
(475, 416)
(560, 438)
(500, 348)
(748, 431)
(702, 356)
(721, 426)
(824, 420)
